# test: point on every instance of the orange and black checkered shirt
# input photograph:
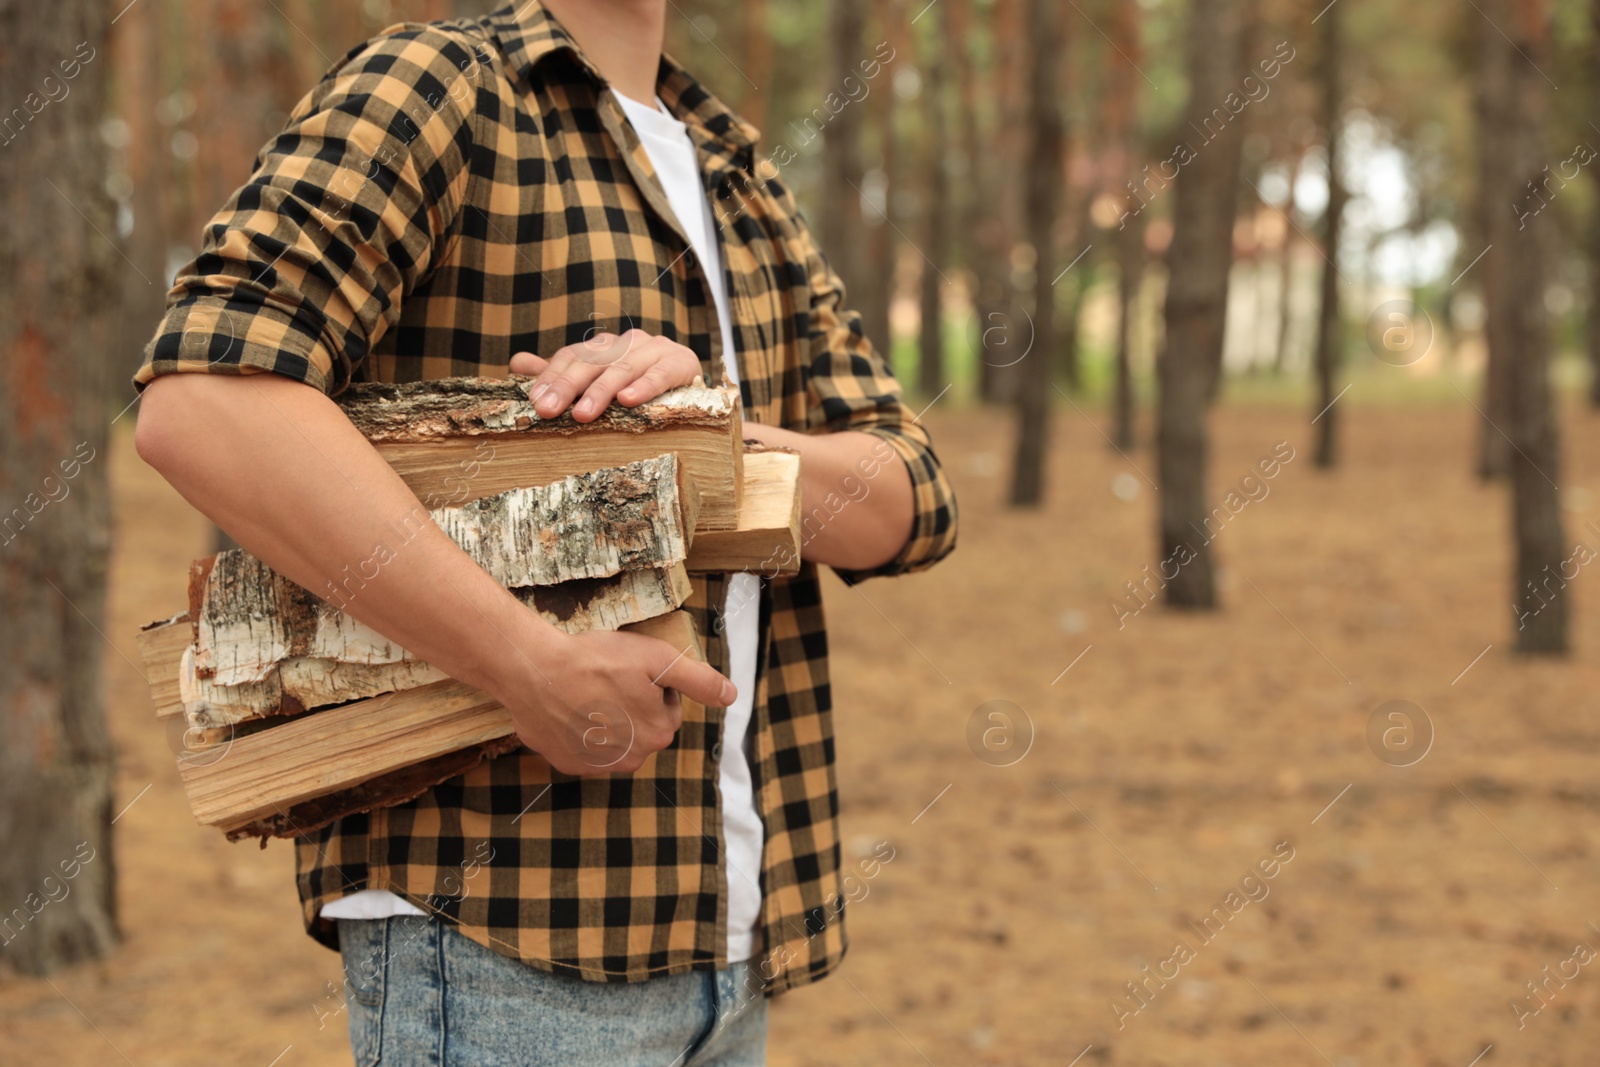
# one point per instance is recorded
(449, 194)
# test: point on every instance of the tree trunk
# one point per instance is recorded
(1130, 272)
(1594, 221)
(343, 26)
(1325, 452)
(1121, 109)
(137, 46)
(56, 775)
(967, 203)
(1044, 182)
(931, 376)
(757, 61)
(1519, 258)
(842, 172)
(880, 239)
(1198, 261)
(1280, 356)
(1498, 186)
(1594, 299)
(1003, 334)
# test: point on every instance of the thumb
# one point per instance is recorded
(698, 681)
(528, 363)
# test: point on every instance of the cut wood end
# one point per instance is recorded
(766, 538)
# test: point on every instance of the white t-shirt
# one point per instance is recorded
(672, 154)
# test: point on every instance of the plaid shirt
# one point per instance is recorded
(452, 193)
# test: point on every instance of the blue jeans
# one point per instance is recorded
(419, 993)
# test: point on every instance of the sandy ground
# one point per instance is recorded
(1143, 785)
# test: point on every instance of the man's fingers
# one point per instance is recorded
(618, 375)
(630, 369)
(528, 363)
(698, 681)
(562, 380)
(668, 372)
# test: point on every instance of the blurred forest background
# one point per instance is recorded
(1115, 250)
(999, 185)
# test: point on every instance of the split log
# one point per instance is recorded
(767, 537)
(161, 646)
(590, 526)
(368, 665)
(458, 439)
(304, 772)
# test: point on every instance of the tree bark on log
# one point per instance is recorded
(249, 619)
(459, 439)
(62, 276)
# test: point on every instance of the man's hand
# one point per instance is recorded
(630, 368)
(605, 701)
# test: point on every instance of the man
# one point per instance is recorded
(483, 196)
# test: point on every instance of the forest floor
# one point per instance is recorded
(1177, 753)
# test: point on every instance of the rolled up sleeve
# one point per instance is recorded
(850, 387)
(305, 268)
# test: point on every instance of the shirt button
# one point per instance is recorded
(716, 752)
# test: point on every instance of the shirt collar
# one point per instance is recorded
(528, 34)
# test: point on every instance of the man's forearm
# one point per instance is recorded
(869, 517)
(278, 465)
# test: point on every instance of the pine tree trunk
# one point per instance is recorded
(1074, 283)
(1498, 187)
(1003, 334)
(1593, 323)
(842, 172)
(1121, 109)
(757, 61)
(1130, 272)
(56, 875)
(137, 50)
(1044, 181)
(936, 207)
(1534, 456)
(1280, 356)
(880, 240)
(1198, 262)
(967, 203)
(1325, 452)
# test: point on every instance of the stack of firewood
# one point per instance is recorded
(297, 714)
